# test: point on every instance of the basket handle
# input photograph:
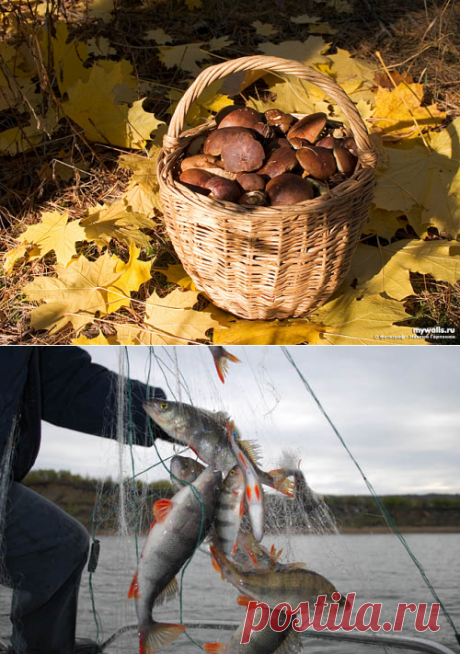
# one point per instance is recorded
(171, 140)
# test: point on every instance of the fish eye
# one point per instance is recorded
(232, 472)
(186, 464)
(163, 405)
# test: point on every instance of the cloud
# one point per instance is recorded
(398, 418)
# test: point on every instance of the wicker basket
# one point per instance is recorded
(265, 262)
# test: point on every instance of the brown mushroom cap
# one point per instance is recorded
(309, 127)
(264, 130)
(240, 117)
(195, 179)
(217, 139)
(223, 189)
(280, 161)
(350, 144)
(254, 198)
(346, 162)
(199, 161)
(274, 144)
(318, 162)
(242, 153)
(288, 189)
(329, 142)
(250, 181)
(279, 118)
(297, 143)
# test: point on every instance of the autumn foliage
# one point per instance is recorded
(104, 255)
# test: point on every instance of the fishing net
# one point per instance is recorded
(261, 394)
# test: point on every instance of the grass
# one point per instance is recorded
(421, 39)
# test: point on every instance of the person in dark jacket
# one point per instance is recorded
(44, 550)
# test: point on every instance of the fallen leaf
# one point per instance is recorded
(134, 274)
(100, 46)
(169, 321)
(193, 4)
(398, 112)
(101, 9)
(355, 320)
(264, 29)
(386, 269)
(412, 176)
(116, 220)
(159, 36)
(185, 56)
(92, 106)
(273, 332)
(100, 339)
(79, 287)
(315, 26)
(383, 223)
(309, 52)
(54, 232)
(142, 194)
(177, 275)
(11, 256)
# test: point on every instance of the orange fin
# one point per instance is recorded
(221, 367)
(282, 483)
(161, 508)
(134, 588)
(243, 600)
(159, 635)
(215, 648)
(216, 567)
(232, 357)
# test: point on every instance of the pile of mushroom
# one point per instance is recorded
(270, 159)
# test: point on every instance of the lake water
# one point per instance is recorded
(376, 567)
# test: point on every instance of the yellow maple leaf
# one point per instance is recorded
(81, 287)
(356, 320)
(21, 139)
(101, 9)
(294, 96)
(142, 194)
(273, 332)
(92, 106)
(264, 29)
(185, 56)
(398, 112)
(11, 256)
(309, 52)
(54, 232)
(100, 339)
(412, 176)
(159, 36)
(177, 275)
(134, 273)
(68, 58)
(315, 26)
(386, 269)
(383, 223)
(175, 317)
(193, 4)
(115, 221)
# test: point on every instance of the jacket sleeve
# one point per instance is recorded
(84, 396)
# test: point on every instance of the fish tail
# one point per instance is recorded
(158, 635)
(281, 482)
(221, 362)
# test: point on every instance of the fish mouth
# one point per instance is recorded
(153, 407)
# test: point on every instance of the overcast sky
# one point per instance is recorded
(397, 409)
